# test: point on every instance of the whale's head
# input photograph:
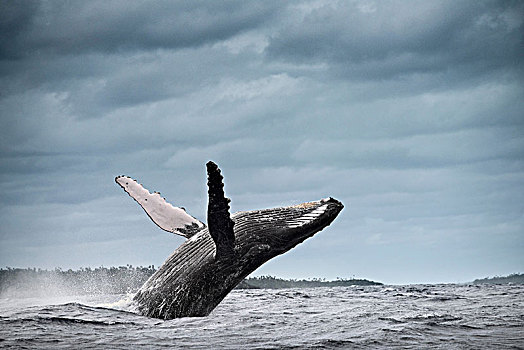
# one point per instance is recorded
(263, 234)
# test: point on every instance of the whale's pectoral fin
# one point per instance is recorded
(166, 216)
(218, 217)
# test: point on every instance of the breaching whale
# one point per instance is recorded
(217, 257)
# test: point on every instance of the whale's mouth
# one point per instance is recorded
(281, 229)
(313, 217)
(315, 211)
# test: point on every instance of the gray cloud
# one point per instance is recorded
(386, 40)
(112, 54)
(61, 27)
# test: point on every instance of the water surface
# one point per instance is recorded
(374, 317)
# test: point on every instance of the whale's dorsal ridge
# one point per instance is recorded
(219, 219)
(166, 216)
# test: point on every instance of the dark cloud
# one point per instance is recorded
(104, 54)
(385, 40)
(15, 19)
(63, 27)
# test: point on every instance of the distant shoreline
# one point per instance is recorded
(270, 282)
(515, 278)
(128, 279)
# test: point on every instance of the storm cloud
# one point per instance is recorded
(370, 41)
(410, 113)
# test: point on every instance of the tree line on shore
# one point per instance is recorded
(515, 278)
(270, 282)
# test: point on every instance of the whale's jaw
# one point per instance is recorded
(275, 231)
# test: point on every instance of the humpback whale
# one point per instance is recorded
(215, 258)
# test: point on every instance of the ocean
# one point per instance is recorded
(445, 316)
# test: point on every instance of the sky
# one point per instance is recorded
(409, 112)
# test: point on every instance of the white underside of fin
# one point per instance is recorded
(166, 216)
